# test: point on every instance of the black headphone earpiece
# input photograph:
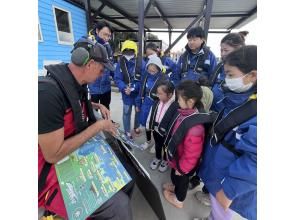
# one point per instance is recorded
(80, 56)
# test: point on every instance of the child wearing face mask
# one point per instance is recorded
(228, 168)
(127, 78)
(147, 95)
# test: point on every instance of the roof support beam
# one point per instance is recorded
(122, 12)
(148, 7)
(252, 12)
(185, 31)
(162, 14)
(88, 14)
(97, 12)
(188, 16)
(169, 37)
(141, 32)
(208, 9)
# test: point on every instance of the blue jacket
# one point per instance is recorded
(193, 58)
(147, 102)
(102, 84)
(221, 169)
(168, 63)
(118, 78)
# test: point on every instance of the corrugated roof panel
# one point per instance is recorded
(129, 6)
(176, 7)
(218, 23)
(233, 6)
(128, 23)
(180, 7)
(110, 12)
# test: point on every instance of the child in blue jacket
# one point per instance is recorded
(127, 80)
(147, 95)
(228, 169)
(197, 61)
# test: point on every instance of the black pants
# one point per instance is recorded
(181, 185)
(118, 207)
(148, 135)
(103, 99)
(159, 140)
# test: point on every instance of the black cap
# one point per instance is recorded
(96, 51)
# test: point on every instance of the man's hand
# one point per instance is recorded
(137, 109)
(223, 199)
(107, 125)
(178, 174)
(103, 110)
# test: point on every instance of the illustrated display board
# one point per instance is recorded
(89, 177)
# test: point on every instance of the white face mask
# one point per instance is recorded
(128, 57)
(237, 84)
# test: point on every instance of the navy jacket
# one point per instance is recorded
(118, 78)
(222, 169)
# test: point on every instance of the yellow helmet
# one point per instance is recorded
(129, 44)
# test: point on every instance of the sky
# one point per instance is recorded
(213, 39)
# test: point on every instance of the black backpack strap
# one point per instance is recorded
(185, 58)
(200, 65)
(236, 117)
(43, 176)
(137, 76)
(186, 124)
(233, 119)
(163, 126)
(142, 89)
(124, 70)
(215, 74)
(153, 114)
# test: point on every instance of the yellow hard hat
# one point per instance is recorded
(129, 44)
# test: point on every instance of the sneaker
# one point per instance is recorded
(203, 198)
(163, 166)
(152, 150)
(194, 182)
(154, 164)
(169, 187)
(129, 135)
(172, 199)
(146, 145)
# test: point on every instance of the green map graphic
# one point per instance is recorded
(90, 176)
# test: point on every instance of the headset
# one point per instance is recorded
(80, 55)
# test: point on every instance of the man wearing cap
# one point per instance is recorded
(66, 121)
(197, 62)
(100, 89)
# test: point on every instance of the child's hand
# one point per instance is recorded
(178, 174)
(223, 199)
(128, 91)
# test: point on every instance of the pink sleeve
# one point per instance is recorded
(192, 148)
